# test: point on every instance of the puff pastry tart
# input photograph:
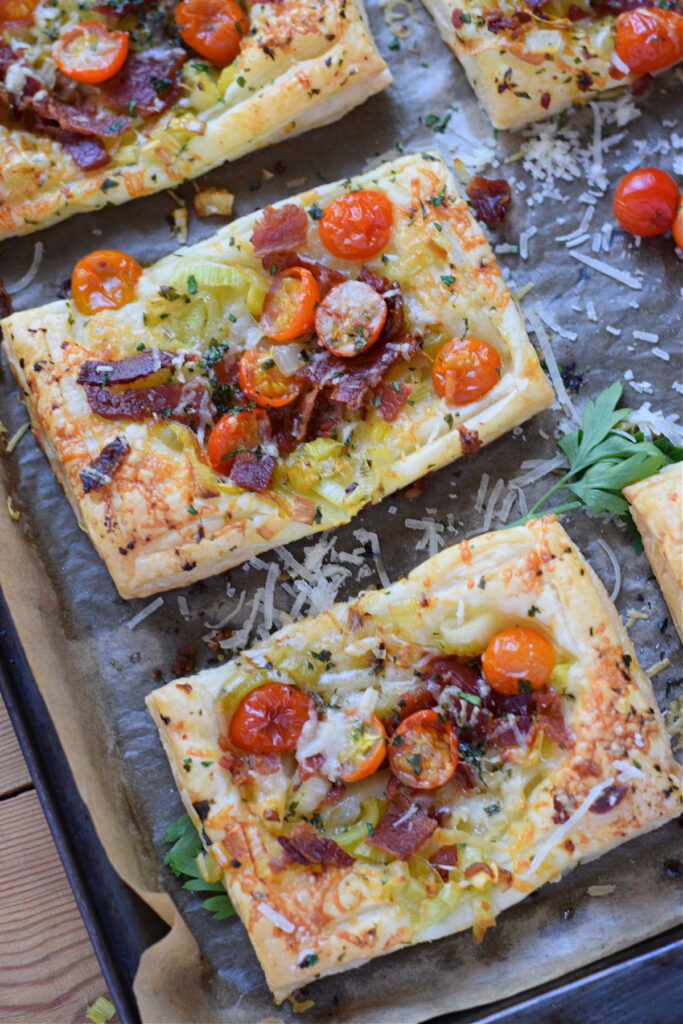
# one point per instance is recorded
(101, 111)
(412, 763)
(274, 379)
(526, 59)
(657, 510)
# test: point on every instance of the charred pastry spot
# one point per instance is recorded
(165, 719)
(123, 551)
(130, 545)
(202, 808)
(235, 863)
(188, 566)
(584, 81)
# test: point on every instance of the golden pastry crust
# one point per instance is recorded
(306, 921)
(303, 67)
(156, 524)
(657, 510)
(532, 69)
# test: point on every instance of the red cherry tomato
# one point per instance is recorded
(17, 13)
(423, 752)
(677, 226)
(350, 318)
(357, 225)
(464, 370)
(105, 279)
(262, 381)
(648, 39)
(89, 52)
(270, 719)
(518, 660)
(367, 751)
(236, 432)
(214, 28)
(645, 201)
(291, 302)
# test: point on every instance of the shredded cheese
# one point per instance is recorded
(615, 565)
(147, 610)
(558, 834)
(275, 917)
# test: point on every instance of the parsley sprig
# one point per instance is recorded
(602, 461)
(181, 858)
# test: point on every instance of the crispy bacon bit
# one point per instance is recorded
(456, 18)
(561, 813)
(310, 766)
(576, 13)
(490, 198)
(391, 292)
(545, 100)
(305, 846)
(100, 471)
(497, 22)
(326, 277)
(350, 380)
(333, 795)
(184, 661)
(474, 869)
(78, 119)
(642, 84)
(147, 84)
(243, 767)
(392, 398)
(406, 825)
(182, 402)
(124, 371)
(612, 796)
(445, 857)
(87, 153)
(584, 81)
(470, 441)
(279, 230)
(505, 876)
(550, 720)
(251, 472)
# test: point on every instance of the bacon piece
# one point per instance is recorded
(351, 379)
(445, 857)
(474, 869)
(393, 325)
(490, 198)
(101, 469)
(281, 230)
(576, 13)
(182, 402)
(456, 18)
(252, 472)
(326, 277)
(310, 766)
(304, 846)
(470, 441)
(243, 767)
(80, 120)
(406, 825)
(147, 84)
(392, 398)
(418, 699)
(497, 22)
(612, 796)
(124, 371)
(603, 7)
(550, 719)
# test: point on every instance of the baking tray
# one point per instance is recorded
(646, 978)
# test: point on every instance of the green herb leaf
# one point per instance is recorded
(101, 1011)
(181, 859)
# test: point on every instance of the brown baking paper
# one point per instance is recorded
(94, 670)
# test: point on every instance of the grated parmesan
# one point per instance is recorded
(491, 504)
(658, 666)
(553, 368)
(275, 917)
(615, 565)
(604, 268)
(558, 834)
(147, 610)
(481, 492)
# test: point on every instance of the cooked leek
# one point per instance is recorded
(352, 836)
(467, 638)
(208, 868)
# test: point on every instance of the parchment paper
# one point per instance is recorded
(94, 671)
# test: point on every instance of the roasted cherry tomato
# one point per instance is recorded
(423, 752)
(645, 201)
(357, 225)
(464, 370)
(677, 226)
(518, 660)
(350, 318)
(263, 382)
(291, 302)
(105, 279)
(366, 751)
(15, 13)
(89, 52)
(214, 28)
(270, 719)
(648, 39)
(243, 431)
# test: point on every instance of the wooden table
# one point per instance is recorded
(48, 971)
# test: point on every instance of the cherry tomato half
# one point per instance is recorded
(648, 39)
(15, 13)
(517, 655)
(214, 28)
(104, 279)
(89, 52)
(262, 381)
(236, 432)
(366, 751)
(464, 370)
(423, 752)
(270, 719)
(291, 302)
(645, 201)
(357, 225)
(677, 226)
(350, 318)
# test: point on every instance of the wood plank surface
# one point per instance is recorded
(13, 771)
(48, 970)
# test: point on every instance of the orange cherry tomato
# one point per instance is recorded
(677, 226)
(464, 370)
(214, 28)
(645, 202)
(368, 749)
(269, 720)
(648, 39)
(15, 13)
(518, 660)
(262, 381)
(89, 52)
(423, 752)
(350, 318)
(289, 309)
(242, 431)
(357, 225)
(104, 279)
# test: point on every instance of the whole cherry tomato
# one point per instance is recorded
(677, 226)
(518, 660)
(214, 28)
(423, 751)
(17, 13)
(645, 201)
(648, 39)
(89, 52)
(262, 381)
(104, 279)
(465, 369)
(243, 431)
(363, 756)
(269, 720)
(290, 305)
(350, 318)
(358, 225)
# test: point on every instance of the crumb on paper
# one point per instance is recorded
(178, 221)
(213, 202)
(15, 438)
(300, 1005)
(600, 890)
(658, 666)
(11, 509)
(633, 615)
